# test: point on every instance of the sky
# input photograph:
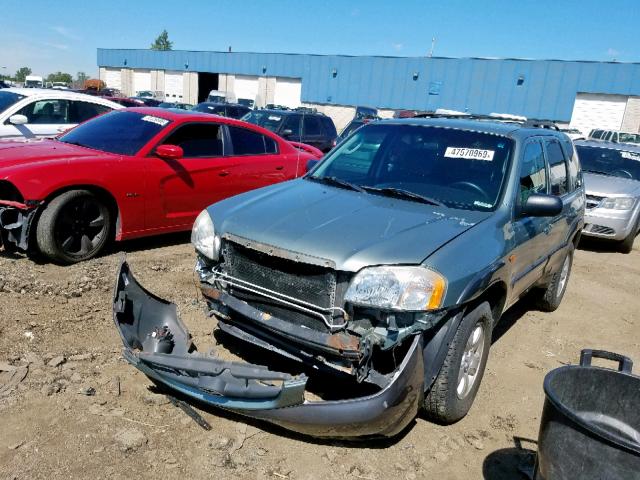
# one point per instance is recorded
(50, 36)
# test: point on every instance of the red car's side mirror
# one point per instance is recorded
(170, 152)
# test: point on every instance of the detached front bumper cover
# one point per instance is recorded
(158, 344)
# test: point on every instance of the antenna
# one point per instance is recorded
(433, 45)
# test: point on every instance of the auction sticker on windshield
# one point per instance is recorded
(157, 120)
(470, 153)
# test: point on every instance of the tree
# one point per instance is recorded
(22, 73)
(60, 77)
(162, 42)
(81, 77)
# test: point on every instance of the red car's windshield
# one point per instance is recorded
(118, 132)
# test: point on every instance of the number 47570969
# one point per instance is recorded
(470, 153)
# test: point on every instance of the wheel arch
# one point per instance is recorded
(8, 191)
(496, 295)
(489, 288)
(101, 193)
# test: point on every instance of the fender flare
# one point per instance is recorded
(435, 349)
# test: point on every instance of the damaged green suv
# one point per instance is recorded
(370, 286)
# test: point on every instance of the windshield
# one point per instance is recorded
(212, 108)
(120, 132)
(458, 168)
(7, 99)
(607, 161)
(265, 119)
(629, 137)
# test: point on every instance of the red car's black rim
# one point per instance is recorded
(81, 227)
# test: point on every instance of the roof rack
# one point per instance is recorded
(307, 110)
(495, 117)
(548, 124)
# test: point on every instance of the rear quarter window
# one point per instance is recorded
(329, 127)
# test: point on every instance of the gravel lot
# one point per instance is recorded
(56, 327)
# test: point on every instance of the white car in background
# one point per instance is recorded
(35, 112)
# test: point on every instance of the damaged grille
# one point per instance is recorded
(313, 284)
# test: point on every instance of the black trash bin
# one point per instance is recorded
(590, 427)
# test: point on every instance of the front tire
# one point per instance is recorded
(456, 386)
(550, 298)
(74, 227)
(627, 244)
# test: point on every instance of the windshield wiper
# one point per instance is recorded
(400, 193)
(599, 172)
(336, 182)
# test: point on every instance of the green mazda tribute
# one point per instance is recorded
(369, 288)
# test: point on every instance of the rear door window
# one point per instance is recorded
(533, 173)
(52, 112)
(198, 140)
(248, 142)
(557, 167)
(292, 122)
(573, 165)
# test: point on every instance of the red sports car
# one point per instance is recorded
(132, 173)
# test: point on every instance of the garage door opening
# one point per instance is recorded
(206, 83)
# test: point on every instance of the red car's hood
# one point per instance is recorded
(19, 153)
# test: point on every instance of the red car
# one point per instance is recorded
(132, 173)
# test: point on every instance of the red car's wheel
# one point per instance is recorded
(73, 227)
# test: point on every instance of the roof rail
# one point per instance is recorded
(496, 117)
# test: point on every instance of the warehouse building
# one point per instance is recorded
(585, 94)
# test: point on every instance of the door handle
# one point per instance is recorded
(279, 167)
(223, 173)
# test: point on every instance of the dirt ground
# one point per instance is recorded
(56, 327)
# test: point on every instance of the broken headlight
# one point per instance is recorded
(203, 236)
(397, 288)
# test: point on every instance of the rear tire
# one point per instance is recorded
(74, 227)
(550, 298)
(457, 384)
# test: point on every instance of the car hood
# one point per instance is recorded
(18, 153)
(350, 229)
(605, 185)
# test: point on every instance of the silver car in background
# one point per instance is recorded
(612, 183)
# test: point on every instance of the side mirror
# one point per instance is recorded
(311, 164)
(287, 132)
(540, 205)
(18, 119)
(170, 152)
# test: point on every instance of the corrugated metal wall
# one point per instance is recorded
(535, 88)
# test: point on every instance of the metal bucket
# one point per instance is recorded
(590, 427)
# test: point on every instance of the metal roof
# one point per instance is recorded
(534, 88)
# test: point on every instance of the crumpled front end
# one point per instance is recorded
(158, 344)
